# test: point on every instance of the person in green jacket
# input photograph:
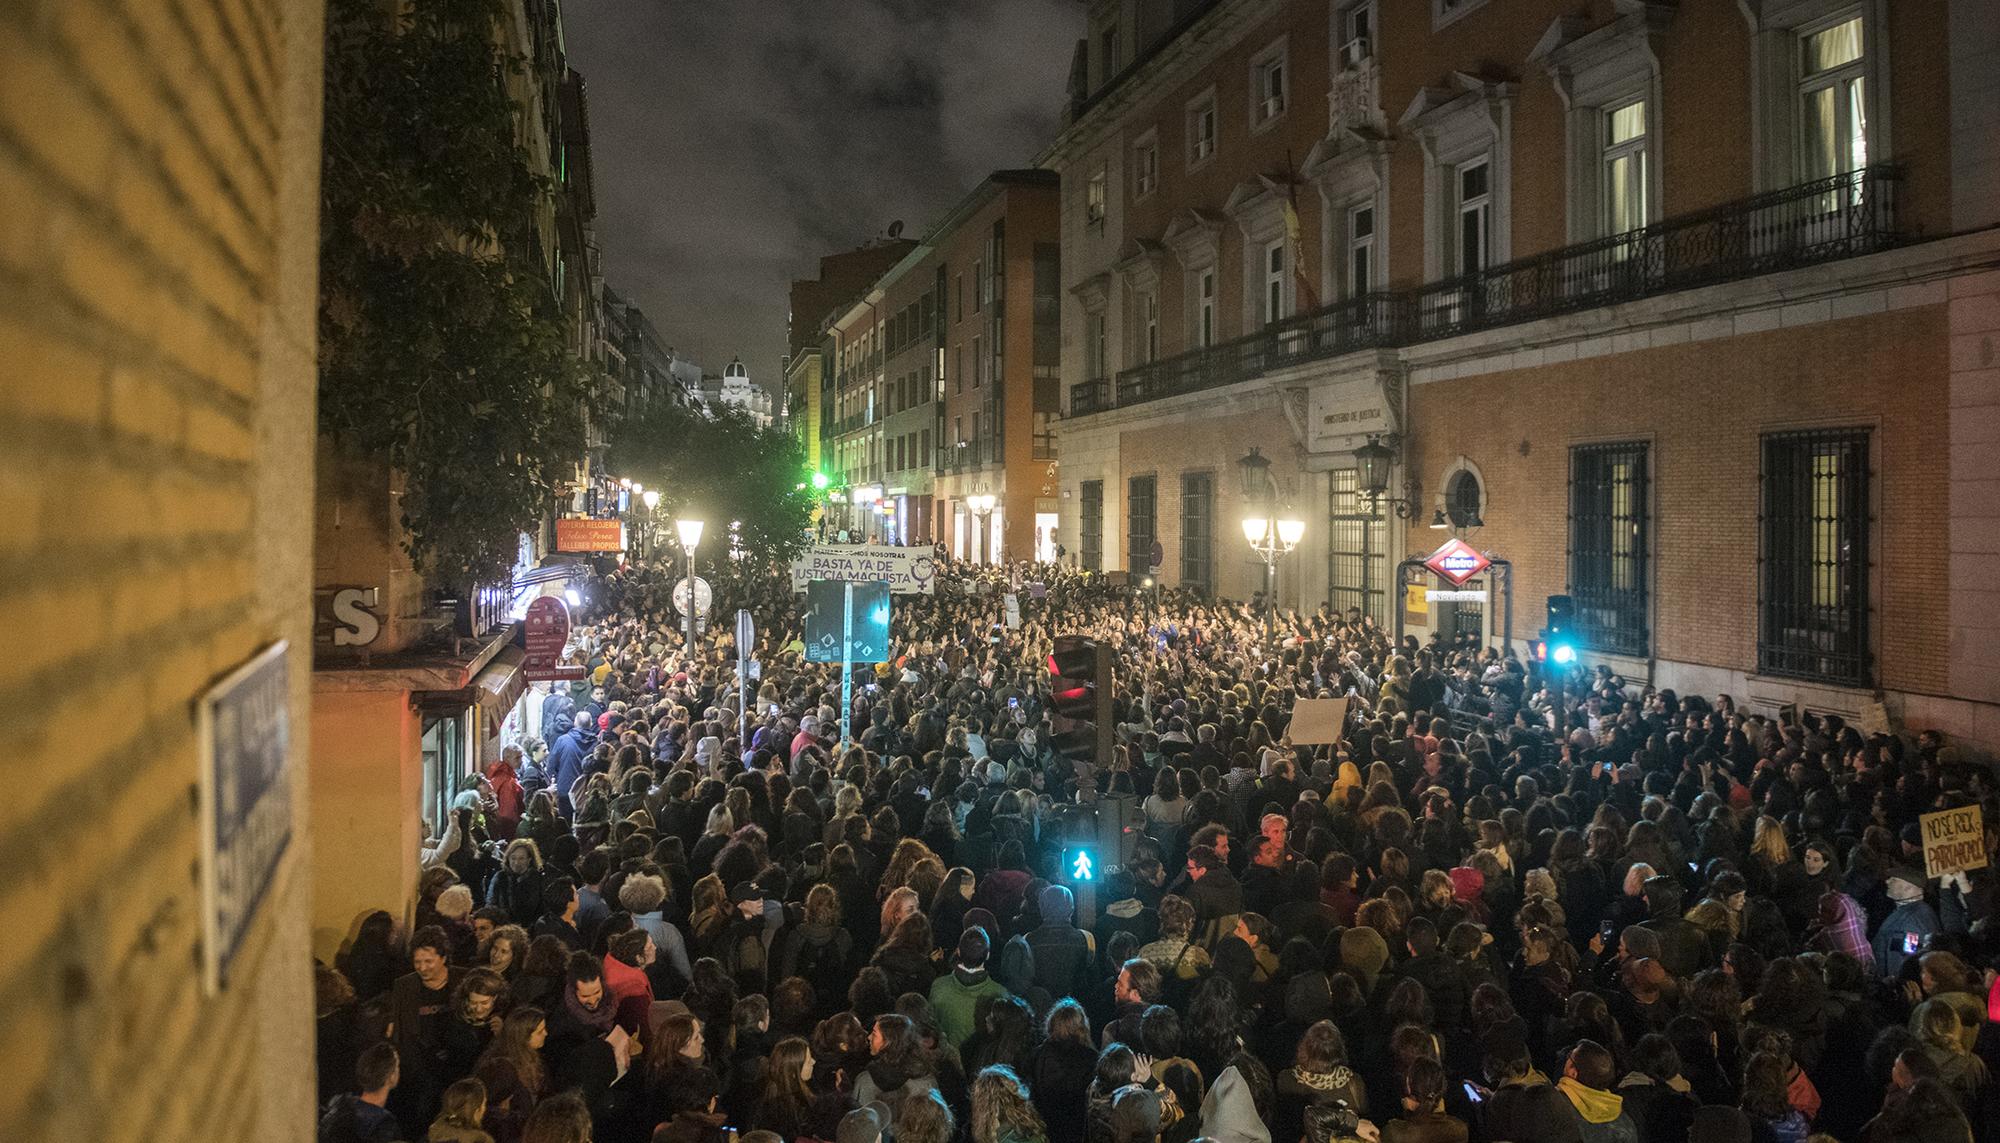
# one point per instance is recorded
(955, 996)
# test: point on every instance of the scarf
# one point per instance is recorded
(1334, 1080)
(598, 1020)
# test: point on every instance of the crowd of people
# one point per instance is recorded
(1510, 905)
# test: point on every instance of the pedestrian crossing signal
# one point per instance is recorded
(1080, 865)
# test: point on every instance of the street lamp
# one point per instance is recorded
(1372, 463)
(1270, 532)
(982, 504)
(651, 499)
(690, 532)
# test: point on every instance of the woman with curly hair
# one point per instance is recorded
(1002, 1111)
(475, 1018)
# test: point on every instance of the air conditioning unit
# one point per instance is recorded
(1272, 105)
(1354, 51)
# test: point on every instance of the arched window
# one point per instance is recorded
(1461, 500)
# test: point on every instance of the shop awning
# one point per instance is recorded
(499, 685)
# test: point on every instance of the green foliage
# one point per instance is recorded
(719, 468)
(443, 350)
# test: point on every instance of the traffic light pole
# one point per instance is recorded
(846, 666)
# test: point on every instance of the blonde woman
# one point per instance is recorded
(1001, 1109)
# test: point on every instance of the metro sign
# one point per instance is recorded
(1457, 561)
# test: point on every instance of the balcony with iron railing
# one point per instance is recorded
(1820, 221)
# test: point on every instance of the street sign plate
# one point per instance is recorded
(1457, 561)
(704, 597)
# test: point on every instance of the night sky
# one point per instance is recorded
(735, 141)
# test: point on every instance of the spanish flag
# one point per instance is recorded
(1308, 296)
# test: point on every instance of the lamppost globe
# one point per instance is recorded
(1290, 532)
(1256, 529)
(652, 498)
(690, 533)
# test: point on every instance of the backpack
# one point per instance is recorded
(823, 964)
(744, 955)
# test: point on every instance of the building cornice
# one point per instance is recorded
(1171, 65)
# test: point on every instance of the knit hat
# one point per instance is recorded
(1364, 951)
(1057, 905)
(1467, 884)
(868, 1124)
(1911, 877)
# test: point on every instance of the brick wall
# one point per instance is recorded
(1703, 406)
(159, 164)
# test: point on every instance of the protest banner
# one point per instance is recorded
(907, 571)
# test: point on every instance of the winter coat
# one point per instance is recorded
(518, 893)
(1904, 933)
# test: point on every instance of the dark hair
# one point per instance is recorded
(1424, 1082)
(593, 867)
(1160, 1031)
(556, 894)
(433, 938)
(582, 968)
(374, 1067)
(1594, 1064)
(973, 947)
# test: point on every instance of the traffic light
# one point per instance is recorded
(1560, 634)
(1080, 696)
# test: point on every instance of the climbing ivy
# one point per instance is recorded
(442, 347)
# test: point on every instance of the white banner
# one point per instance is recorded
(907, 571)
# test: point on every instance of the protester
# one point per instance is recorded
(1695, 917)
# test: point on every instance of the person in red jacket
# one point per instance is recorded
(507, 795)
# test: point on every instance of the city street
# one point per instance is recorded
(1005, 571)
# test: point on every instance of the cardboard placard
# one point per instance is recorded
(1954, 841)
(1317, 722)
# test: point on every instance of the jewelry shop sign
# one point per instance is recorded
(243, 726)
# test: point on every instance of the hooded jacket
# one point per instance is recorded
(1600, 1115)
(1228, 1114)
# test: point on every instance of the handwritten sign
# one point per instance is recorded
(907, 571)
(1317, 722)
(1954, 841)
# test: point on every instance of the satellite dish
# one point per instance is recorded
(896, 229)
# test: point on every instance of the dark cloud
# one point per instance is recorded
(735, 141)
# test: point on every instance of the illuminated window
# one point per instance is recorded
(1833, 119)
(1815, 556)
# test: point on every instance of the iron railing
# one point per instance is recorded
(1356, 323)
(1820, 221)
(1814, 559)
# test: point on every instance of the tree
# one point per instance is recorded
(720, 467)
(443, 349)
